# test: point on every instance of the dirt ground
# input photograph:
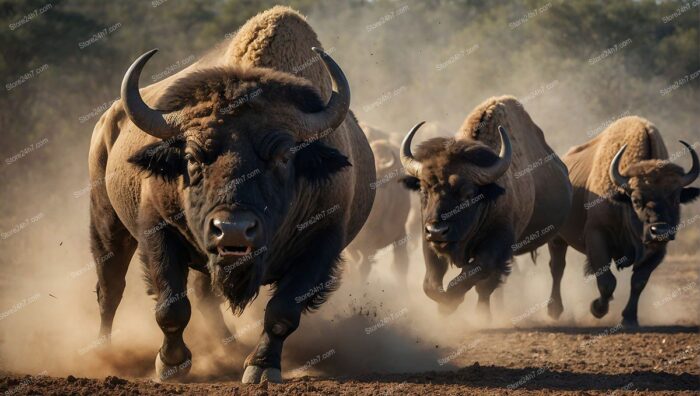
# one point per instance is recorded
(528, 357)
(662, 359)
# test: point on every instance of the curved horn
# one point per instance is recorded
(338, 106)
(151, 121)
(615, 176)
(493, 172)
(694, 170)
(412, 165)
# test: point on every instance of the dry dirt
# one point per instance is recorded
(532, 356)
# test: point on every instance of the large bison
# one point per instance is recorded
(486, 195)
(386, 225)
(237, 169)
(626, 208)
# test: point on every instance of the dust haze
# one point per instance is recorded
(402, 70)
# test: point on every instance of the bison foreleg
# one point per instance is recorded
(557, 263)
(166, 270)
(112, 248)
(435, 269)
(209, 304)
(599, 261)
(641, 274)
(305, 286)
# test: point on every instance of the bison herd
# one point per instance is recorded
(248, 168)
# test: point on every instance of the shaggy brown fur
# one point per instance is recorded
(236, 106)
(280, 38)
(629, 225)
(478, 225)
(643, 142)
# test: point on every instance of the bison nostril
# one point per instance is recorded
(251, 230)
(216, 228)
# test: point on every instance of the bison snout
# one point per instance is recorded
(436, 231)
(662, 232)
(235, 234)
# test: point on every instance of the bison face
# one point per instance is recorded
(456, 182)
(237, 146)
(653, 191)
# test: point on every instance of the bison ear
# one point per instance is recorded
(410, 182)
(689, 194)
(161, 159)
(491, 191)
(318, 162)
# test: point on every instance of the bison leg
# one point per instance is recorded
(112, 249)
(401, 261)
(599, 262)
(209, 305)
(166, 272)
(484, 289)
(365, 265)
(641, 274)
(305, 286)
(435, 269)
(557, 263)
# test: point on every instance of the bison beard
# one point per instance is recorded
(239, 282)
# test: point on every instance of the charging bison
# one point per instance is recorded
(480, 208)
(237, 169)
(386, 225)
(626, 208)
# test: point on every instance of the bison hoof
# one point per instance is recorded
(447, 309)
(172, 373)
(554, 309)
(598, 308)
(252, 375)
(272, 375)
(630, 323)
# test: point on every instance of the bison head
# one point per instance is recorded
(237, 143)
(385, 160)
(654, 190)
(457, 182)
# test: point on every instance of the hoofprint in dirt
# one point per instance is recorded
(564, 360)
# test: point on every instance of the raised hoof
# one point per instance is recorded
(630, 324)
(599, 309)
(447, 309)
(272, 375)
(555, 309)
(252, 375)
(168, 373)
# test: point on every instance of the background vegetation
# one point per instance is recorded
(576, 65)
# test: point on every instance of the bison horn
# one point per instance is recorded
(615, 176)
(410, 164)
(694, 170)
(153, 122)
(493, 172)
(338, 106)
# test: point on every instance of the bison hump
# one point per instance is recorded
(643, 142)
(280, 39)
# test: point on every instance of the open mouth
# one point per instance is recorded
(235, 250)
(441, 245)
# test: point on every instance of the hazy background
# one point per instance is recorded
(576, 65)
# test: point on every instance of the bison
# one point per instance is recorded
(486, 195)
(239, 170)
(386, 225)
(626, 208)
